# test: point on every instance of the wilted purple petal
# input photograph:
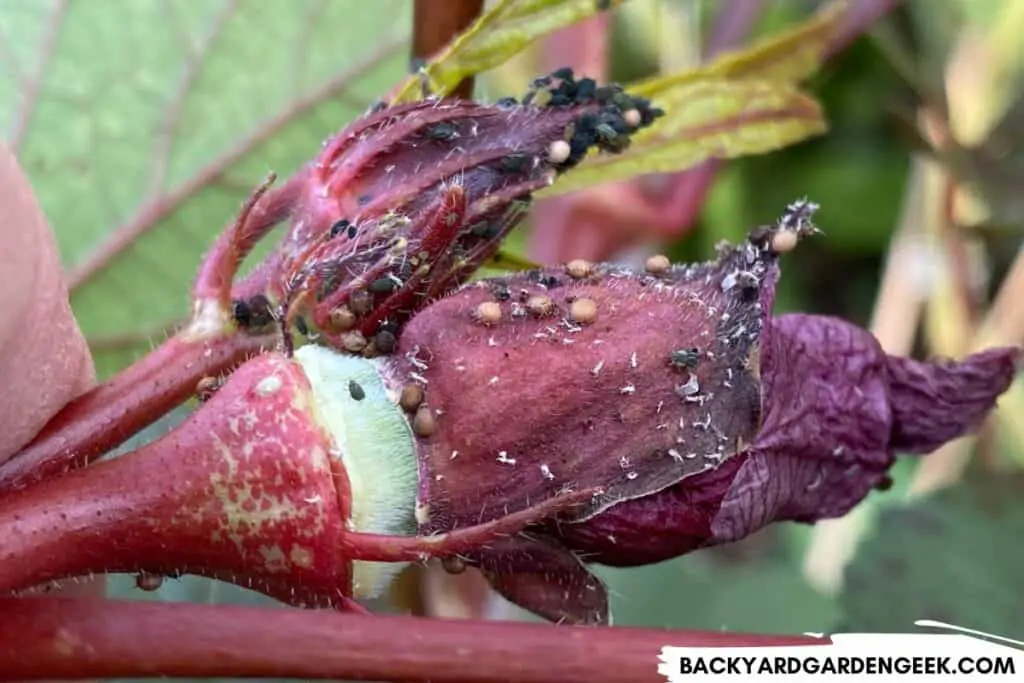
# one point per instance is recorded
(654, 528)
(836, 407)
(936, 402)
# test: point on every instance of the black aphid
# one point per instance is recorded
(442, 132)
(342, 226)
(384, 285)
(253, 313)
(685, 358)
(356, 391)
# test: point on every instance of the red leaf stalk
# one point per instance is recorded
(45, 638)
(435, 24)
(112, 412)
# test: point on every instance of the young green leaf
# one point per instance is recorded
(789, 57)
(508, 261)
(706, 119)
(508, 28)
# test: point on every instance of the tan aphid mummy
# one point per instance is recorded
(540, 305)
(488, 313)
(453, 564)
(579, 268)
(583, 311)
(342, 319)
(206, 387)
(657, 264)
(423, 423)
(411, 397)
(148, 582)
(784, 241)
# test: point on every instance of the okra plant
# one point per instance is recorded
(365, 403)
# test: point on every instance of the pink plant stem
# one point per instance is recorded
(261, 211)
(47, 638)
(859, 17)
(113, 412)
(210, 345)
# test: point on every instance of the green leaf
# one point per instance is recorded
(705, 119)
(508, 261)
(143, 124)
(701, 591)
(505, 30)
(955, 557)
(789, 57)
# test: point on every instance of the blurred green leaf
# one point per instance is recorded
(701, 591)
(790, 57)
(498, 35)
(143, 124)
(955, 557)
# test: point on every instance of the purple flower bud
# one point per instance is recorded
(408, 202)
(700, 417)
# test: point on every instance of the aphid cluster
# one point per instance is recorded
(415, 197)
(609, 128)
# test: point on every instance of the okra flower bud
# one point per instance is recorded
(700, 416)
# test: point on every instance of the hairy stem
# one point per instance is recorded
(210, 345)
(113, 412)
(46, 638)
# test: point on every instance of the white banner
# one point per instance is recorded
(964, 656)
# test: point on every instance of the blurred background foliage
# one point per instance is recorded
(144, 123)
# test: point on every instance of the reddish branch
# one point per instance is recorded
(435, 23)
(31, 88)
(113, 412)
(59, 638)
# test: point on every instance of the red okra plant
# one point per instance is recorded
(527, 425)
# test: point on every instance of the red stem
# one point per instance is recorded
(113, 412)
(435, 23)
(63, 638)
